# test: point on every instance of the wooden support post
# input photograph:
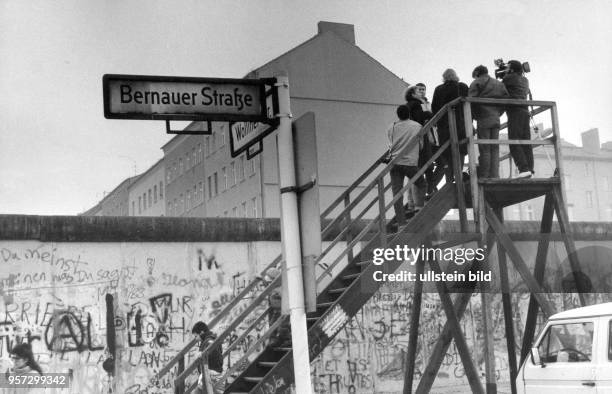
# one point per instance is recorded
(507, 305)
(467, 117)
(451, 318)
(485, 299)
(457, 166)
(563, 221)
(413, 337)
(349, 235)
(444, 339)
(180, 387)
(382, 222)
(519, 263)
(441, 346)
(538, 274)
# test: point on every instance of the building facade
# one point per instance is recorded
(146, 195)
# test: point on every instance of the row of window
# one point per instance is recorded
(186, 201)
(148, 198)
(243, 211)
(195, 157)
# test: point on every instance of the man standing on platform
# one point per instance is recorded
(487, 119)
(518, 119)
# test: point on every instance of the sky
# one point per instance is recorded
(59, 155)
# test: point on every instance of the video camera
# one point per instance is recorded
(502, 68)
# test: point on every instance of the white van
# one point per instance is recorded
(573, 354)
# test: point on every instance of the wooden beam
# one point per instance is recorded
(472, 160)
(445, 337)
(538, 273)
(453, 320)
(457, 167)
(519, 263)
(514, 142)
(563, 220)
(507, 305)
(415, 315)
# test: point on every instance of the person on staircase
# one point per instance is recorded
(420, 112)
(400, 135)
(449, 90)
(518, 119)
(214, 362)
(487, 119)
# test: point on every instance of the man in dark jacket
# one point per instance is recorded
(445, 93)
(487, 119)
(518, 119)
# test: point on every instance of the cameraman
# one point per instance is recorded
(518, 119)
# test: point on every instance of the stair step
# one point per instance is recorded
(338, 290)
(282, 349)
(351, 276)
(267, 364)
(253, 379)
(314, 318)
(325, 304)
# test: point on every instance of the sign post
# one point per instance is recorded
(291, 242)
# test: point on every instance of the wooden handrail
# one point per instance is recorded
(246, 291)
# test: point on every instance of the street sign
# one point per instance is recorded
(185, 98)
(245, 135)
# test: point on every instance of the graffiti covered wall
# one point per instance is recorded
(60, 296)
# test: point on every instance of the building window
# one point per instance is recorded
(586, 169)
(589, 199)
(606, 184)
(221, 136)
(168, 175)
(201, 184)
(133, 208)
(180, 166)
(139, 204)
(154, 193)
(216, 183)
(224, 174)
(235, 212)
(529, 210)
(209, 187)
(161, 190)
(169, 208)
(150, 198)
(232, 173)
(144, 201)
(188, 202)
(251, 167)
(213, 141)
(195, 194)
(254, 206)
(187, 162)
(193, 156)
(244, 209)
(199, 153)
(207, 145)
(241, 168)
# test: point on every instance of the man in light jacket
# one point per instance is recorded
(487, 119)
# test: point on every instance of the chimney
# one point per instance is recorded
(343, 30)
(590, 141)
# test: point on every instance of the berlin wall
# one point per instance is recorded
(71, 286)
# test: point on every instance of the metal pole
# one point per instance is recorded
(291, 242)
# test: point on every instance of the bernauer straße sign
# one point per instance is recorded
(184, 98)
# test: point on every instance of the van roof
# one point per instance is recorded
(586, 311)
